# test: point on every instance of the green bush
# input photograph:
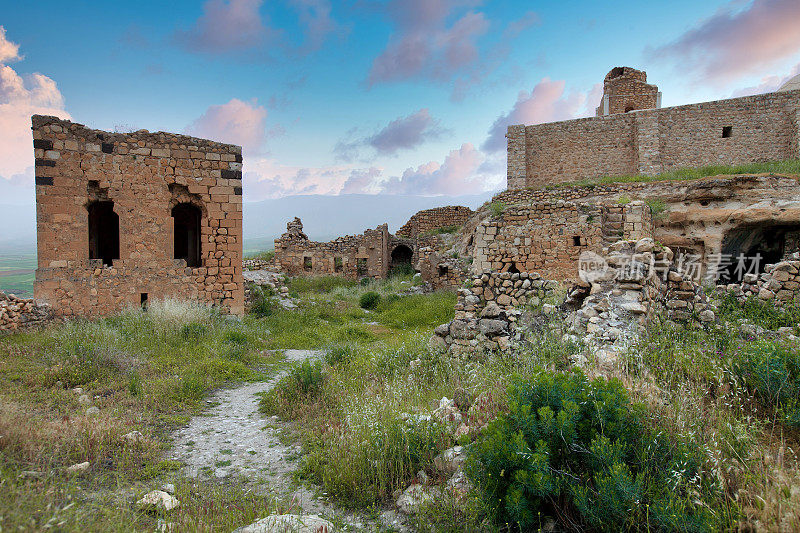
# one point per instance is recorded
(757, 311)
(262, 305)
(193, 331)
(303, 381)
(497, 208)
(579, 452)
(772, 372)
(369, 300)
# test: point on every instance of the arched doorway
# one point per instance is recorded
(401, 259)
(187, 233)
(103, 232)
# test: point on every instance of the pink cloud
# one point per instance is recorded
(734, 43)
(8, 51)
(235, 122)
(547, 102)
(458, 174)
(267, 178)
(225, 26)
(528, 20)
(768, 84)
(424, 45)
(21, 97)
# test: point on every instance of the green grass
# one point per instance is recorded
(444, 230)
(17, 273)
(790, 167)
(264, 255)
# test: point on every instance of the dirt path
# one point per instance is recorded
(232, 439)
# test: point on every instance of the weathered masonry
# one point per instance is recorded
(127, 218)
(650, 141)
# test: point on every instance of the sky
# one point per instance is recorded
(366, 96)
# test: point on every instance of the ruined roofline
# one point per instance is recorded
(156, 138)
(788, 95)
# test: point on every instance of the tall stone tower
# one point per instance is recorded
(626, 89)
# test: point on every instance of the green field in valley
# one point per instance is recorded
(16, 273)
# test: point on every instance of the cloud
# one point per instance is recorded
(735, 43)
(21, 97)
(8, 51)
(225, 26)
(405, 133)
(235, 122)
(315, 17)
(425, 45)
(528, 20)
(267, 178)
(768, 84)
(547, 102)
(361, 181)
(458, 174)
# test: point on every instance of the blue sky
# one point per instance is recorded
(367, 96)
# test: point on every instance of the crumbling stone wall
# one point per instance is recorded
(138, 179)
(626, 89)
(20, 313)
(735, 131)
(549, 237)
(487, 310)
(779, 284)
(441, 271)
(693, 215)
(433, 219)
(365, 255)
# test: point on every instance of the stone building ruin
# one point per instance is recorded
(126, 218)
(649, 140)
(376, 252)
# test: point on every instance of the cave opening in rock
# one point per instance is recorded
(748, 249)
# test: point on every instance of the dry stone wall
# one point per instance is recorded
(19, 313)
(358, 256)
(433, 219)
(735, 131)
(779, 284)
(115, 195)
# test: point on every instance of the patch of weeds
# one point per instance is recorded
(772, 372)
(444, 230)
(369, 300)
(223, 464)
(658, 208)
(497, 208)
(318, 284)
(155, 470)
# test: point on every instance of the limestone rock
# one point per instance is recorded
(413, 497)
(450, 460)
(79, 467)
(289, 523)
(492, 310)
(157, 500)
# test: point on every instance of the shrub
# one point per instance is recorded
(261, 305)
(369, 300)
(658, 208)
(193, 331)
(581, 453)
(339, 353)
(304, 381)
(497, 208)
(772, 372)
(444, 230)
(757, 311)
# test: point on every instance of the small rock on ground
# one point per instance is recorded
(289, 523)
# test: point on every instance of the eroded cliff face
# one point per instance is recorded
(715, 219)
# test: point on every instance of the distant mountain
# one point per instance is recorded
(327, 217)
(324, 217)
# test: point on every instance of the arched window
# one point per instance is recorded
(103, 232)
(402, 254)
(187, 233)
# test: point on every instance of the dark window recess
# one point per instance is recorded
(103, 232)
(231, 174)
(238, 158)
(144, 297)
(513, 268)
(576, 240)
(187, 233)
(338, 264)
(629, 109)
(237, 191)
(361, 266)
(307, 265)
(41, 180)
(45, 163)
(727, 131)
(442, 271)
(43, 144)
(108, 148)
